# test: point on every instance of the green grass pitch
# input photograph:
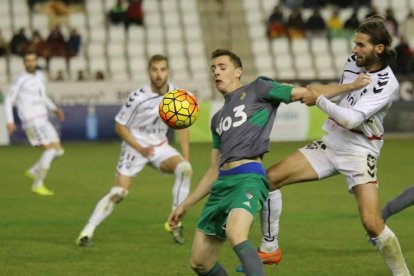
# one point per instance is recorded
(320, 229)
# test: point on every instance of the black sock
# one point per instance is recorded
(252, 264)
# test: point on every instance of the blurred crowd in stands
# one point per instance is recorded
(127, 13)
(286, 20)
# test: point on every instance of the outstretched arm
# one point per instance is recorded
(332, 90)
(184, 138)
(309, 94)
(202, 190)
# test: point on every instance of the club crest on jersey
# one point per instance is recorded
(248, 195)
(243, 95)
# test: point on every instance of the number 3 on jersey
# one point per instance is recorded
(239, 118)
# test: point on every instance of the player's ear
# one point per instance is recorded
(379, 49)
(239, 72)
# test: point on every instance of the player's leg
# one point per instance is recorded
(129, 164)
(386, 241)
(402, 201)
(168, 160)
(308, 163)
(43, 135)
(204, 255)
(104, 208)
(238, 226)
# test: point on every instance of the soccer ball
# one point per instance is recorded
(178, 108)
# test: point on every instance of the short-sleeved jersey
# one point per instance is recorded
(29, 95)
(241, 128)
(373, 101)
(140, 115)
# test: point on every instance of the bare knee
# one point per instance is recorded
(199, 266)
(373, 225)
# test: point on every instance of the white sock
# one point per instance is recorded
(104, 208)
(43, 166)
(182, 183)
(269, 221)
(389, 247)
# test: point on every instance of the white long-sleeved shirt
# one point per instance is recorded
(28, 93)
(356, 123)
(141, 116)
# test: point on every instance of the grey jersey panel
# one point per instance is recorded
(241, 136)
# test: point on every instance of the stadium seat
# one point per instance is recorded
(77, 64)
(97, 36)
(155, 48)
(175, 49)
(300, 46)
(116, 34)
(188, 6)
(319, 46)
(174, 33)
(155, 34)
(118, 69)
(97, 64)
(77, 20)
(340, 46)
(96, 49)
(135, 49)
(15, 66)
(136, 33)
(280, 46)
(116, 49)
(257, 31)
(150, 7)
(3, 71)
(153, 19)
(264, 65)
(190, 19)
(57, 64)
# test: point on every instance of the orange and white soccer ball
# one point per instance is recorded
(178, 108)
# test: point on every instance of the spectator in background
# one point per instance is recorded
(73, 44)
(99, 75)
(407, 26)
(56, 43)
(335, 25)
(275, 23)
(117, 14)
(352, 23)
(404, 61)
(19, 42)
(134, 14)
(295, 24)
(392, 23)
(316, 26)
(57, 13)
(4, 46)
(37, 45)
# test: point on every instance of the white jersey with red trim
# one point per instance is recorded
(28, 93)
(373, 101)
(140, 115)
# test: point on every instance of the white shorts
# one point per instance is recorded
(358, 168)
(132, 162)
(41, 133)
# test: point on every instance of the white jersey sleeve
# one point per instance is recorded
(141, 116)
(10, 100)
(130, 107)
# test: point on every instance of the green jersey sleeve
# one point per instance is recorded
(216, 140)
(276, 92)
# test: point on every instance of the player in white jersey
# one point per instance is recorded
(28, 93)
(351, 146)
(144, 142)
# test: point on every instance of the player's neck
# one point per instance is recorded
(374, 67)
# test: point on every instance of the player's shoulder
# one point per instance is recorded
(385, 78)
(351, 66)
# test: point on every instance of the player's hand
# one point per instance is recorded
(59, 114)
(309, 97)
(361, 81)
(176, 216)
(11, 127)
(147, 152)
